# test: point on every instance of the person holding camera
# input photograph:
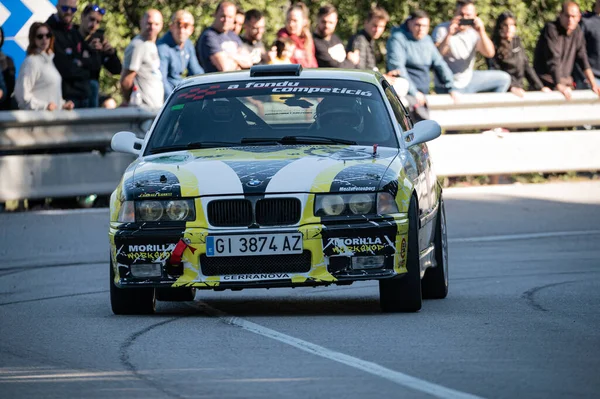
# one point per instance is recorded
(458, 41)
(100, 49)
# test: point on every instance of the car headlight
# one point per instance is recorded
(178, 210)
(149, 211)
(127, 212)
(361, 204)
(355, 204)
(165, 211)
(386, 203)
(332, 205)
(344, 204)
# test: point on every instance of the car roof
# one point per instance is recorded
(320, 73)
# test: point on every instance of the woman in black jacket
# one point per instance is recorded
(510, 56)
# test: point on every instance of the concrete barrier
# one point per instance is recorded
(508, 153)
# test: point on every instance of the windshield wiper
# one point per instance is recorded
(297, 140)
(192, 146)
(256, 140)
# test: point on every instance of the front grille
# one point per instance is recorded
(269, 212)
(230, 213)
(259, 264)
(278, 211)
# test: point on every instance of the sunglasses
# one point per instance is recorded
(67, 9)
(40, 36)
(95, 8)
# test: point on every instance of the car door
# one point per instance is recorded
(425, 184)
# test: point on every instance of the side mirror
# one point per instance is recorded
(127, 142)
(422, 132)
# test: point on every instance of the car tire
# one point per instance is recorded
(179, 294)
(404, 294)
(435, 282)
(130, 301)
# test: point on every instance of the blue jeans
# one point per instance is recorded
(80, 102)
(94, 92)
(484, 82)
(583, 84)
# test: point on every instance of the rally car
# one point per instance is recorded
(278, 177)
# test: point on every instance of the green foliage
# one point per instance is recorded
(122, 17)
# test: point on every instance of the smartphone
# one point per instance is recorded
(465, 21)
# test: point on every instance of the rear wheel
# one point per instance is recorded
(435, 282)
(179, 294)
(130, 300)
(404, 294)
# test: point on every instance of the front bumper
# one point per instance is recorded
(327, 257)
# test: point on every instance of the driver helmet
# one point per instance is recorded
(340, 112)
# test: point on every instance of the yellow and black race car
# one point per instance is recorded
(278, 177)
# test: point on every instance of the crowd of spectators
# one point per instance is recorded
(64, 59)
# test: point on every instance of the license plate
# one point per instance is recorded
(255, 244)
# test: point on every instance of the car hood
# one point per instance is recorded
(261, 170)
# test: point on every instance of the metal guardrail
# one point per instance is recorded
(534, 111)
(66, 153)
(30, 131)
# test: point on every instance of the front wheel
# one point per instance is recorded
(130, 300)
(404, 294)
(435, 282)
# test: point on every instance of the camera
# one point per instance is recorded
(467, 22)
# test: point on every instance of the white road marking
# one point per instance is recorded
(369, 367)
(526, 236)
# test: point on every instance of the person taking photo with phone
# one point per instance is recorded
(106, 56)
(458, 40)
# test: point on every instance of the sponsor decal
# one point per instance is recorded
(294, 87)
(358, 248)
(403, 248)
(309, 90)
(150, 251)
(363, 244)
(357, 188)
(147, 255)
(154, 195)
(257, 85)
(151, 247)
(252, 277)
(355, 241)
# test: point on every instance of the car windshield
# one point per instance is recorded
(273, 112)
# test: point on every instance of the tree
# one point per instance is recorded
(122, 17)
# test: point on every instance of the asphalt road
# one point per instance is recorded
(521, 319)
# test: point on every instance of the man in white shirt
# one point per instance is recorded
(458, 41)
(141, 66)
